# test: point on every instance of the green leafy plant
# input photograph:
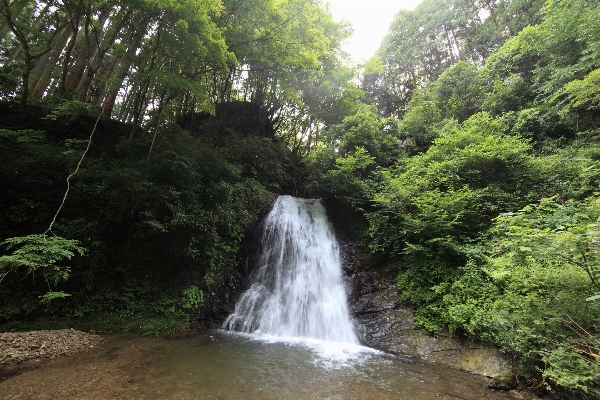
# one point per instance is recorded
(40, 255)
(70, 108)
(525, 292)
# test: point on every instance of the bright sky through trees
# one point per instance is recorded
(370, 19)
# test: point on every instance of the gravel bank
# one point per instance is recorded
(18, 347)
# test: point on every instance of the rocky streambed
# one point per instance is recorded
(17, 347)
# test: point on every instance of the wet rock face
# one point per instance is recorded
(383, 322)
(219, 303)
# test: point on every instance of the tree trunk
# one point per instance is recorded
(4, 29)
(93, 66)
(140, 96)
(42, 72)
(112, 90)
(25, 88)
(62, 88)
(83, 54)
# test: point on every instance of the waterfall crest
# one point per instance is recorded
(297, 288)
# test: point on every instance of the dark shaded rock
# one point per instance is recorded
(218, 304)
(503, 382)
(384, 323)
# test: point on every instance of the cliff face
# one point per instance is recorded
(384, 323)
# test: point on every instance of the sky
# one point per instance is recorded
(370, 19)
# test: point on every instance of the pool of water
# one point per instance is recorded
(224, 365)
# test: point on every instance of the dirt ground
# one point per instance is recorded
(110, 369)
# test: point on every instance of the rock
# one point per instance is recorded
(384, 323)
(382, 320)
(218, 304)
(503, 382)
(18, 347)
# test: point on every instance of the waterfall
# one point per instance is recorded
(297, 288)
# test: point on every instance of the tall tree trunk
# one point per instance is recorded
(125, 111)
(122, 69)
(25, 82)
(42, 72)
(105, 42)
(62, 88)
(158, 112)
(140, 97)
(114, 87)
(4, 29)
(83, 53)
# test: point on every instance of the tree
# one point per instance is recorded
(430, 205)
(454, 96)
(34, 40)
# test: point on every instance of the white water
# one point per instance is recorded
(297, 289)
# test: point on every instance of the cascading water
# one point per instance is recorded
(297, 288)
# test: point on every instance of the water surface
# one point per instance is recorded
(225, 365)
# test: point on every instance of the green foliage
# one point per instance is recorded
(8, 83)
(69, 108)
(347, 180)
(192, 298)
(263, 160)
(366, 129)
(40, 256)
(156, 326)
(453, 97)
(158, 232)
(555, 233)
(578, 102)
(22, 136)
(509, 72)
(584, 93)
(526, 290)
(550, 68)
(423, 44)
(434, 204)
(525, 281)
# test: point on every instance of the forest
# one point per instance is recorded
(142, 140)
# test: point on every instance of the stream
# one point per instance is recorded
(228, 366)
(223, 365)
